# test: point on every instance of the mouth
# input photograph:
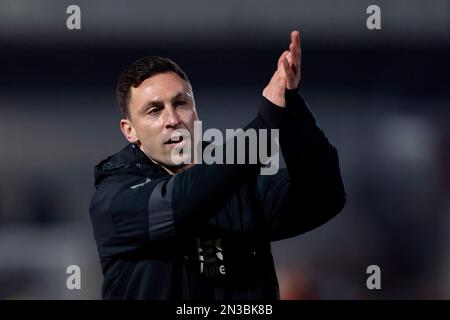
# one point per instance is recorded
(174, 140)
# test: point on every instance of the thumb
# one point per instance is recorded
(283, 56)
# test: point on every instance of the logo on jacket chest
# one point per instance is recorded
(210, 254)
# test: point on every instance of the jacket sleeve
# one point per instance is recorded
(310, 191)
(128, 214)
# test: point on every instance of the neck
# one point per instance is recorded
(170, 169)
(173, 169)
(176, 169)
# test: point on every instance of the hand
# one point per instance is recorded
(287, 75)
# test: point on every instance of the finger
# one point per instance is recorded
(290, 77)
(295, 50)
(282, 58)
(294, 60)
(299, 49)
(292, 54)
(295, 37)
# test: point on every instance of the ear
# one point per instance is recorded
(128, 130)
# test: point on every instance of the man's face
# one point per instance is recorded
(157, 107)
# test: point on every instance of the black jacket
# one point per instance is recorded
(205, 233)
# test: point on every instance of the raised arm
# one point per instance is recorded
(311, 191)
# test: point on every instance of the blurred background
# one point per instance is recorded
(381, 96)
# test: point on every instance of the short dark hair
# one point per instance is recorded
(137, 72)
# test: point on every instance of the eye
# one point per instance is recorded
(180, 103)
(153, 110)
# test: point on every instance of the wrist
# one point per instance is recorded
(292, 91)
(278, 100)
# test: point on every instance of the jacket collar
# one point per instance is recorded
(129, 160)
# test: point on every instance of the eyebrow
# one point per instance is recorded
(149, 104)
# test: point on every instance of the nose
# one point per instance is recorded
(172, 118)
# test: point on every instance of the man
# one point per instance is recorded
(203, 231)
